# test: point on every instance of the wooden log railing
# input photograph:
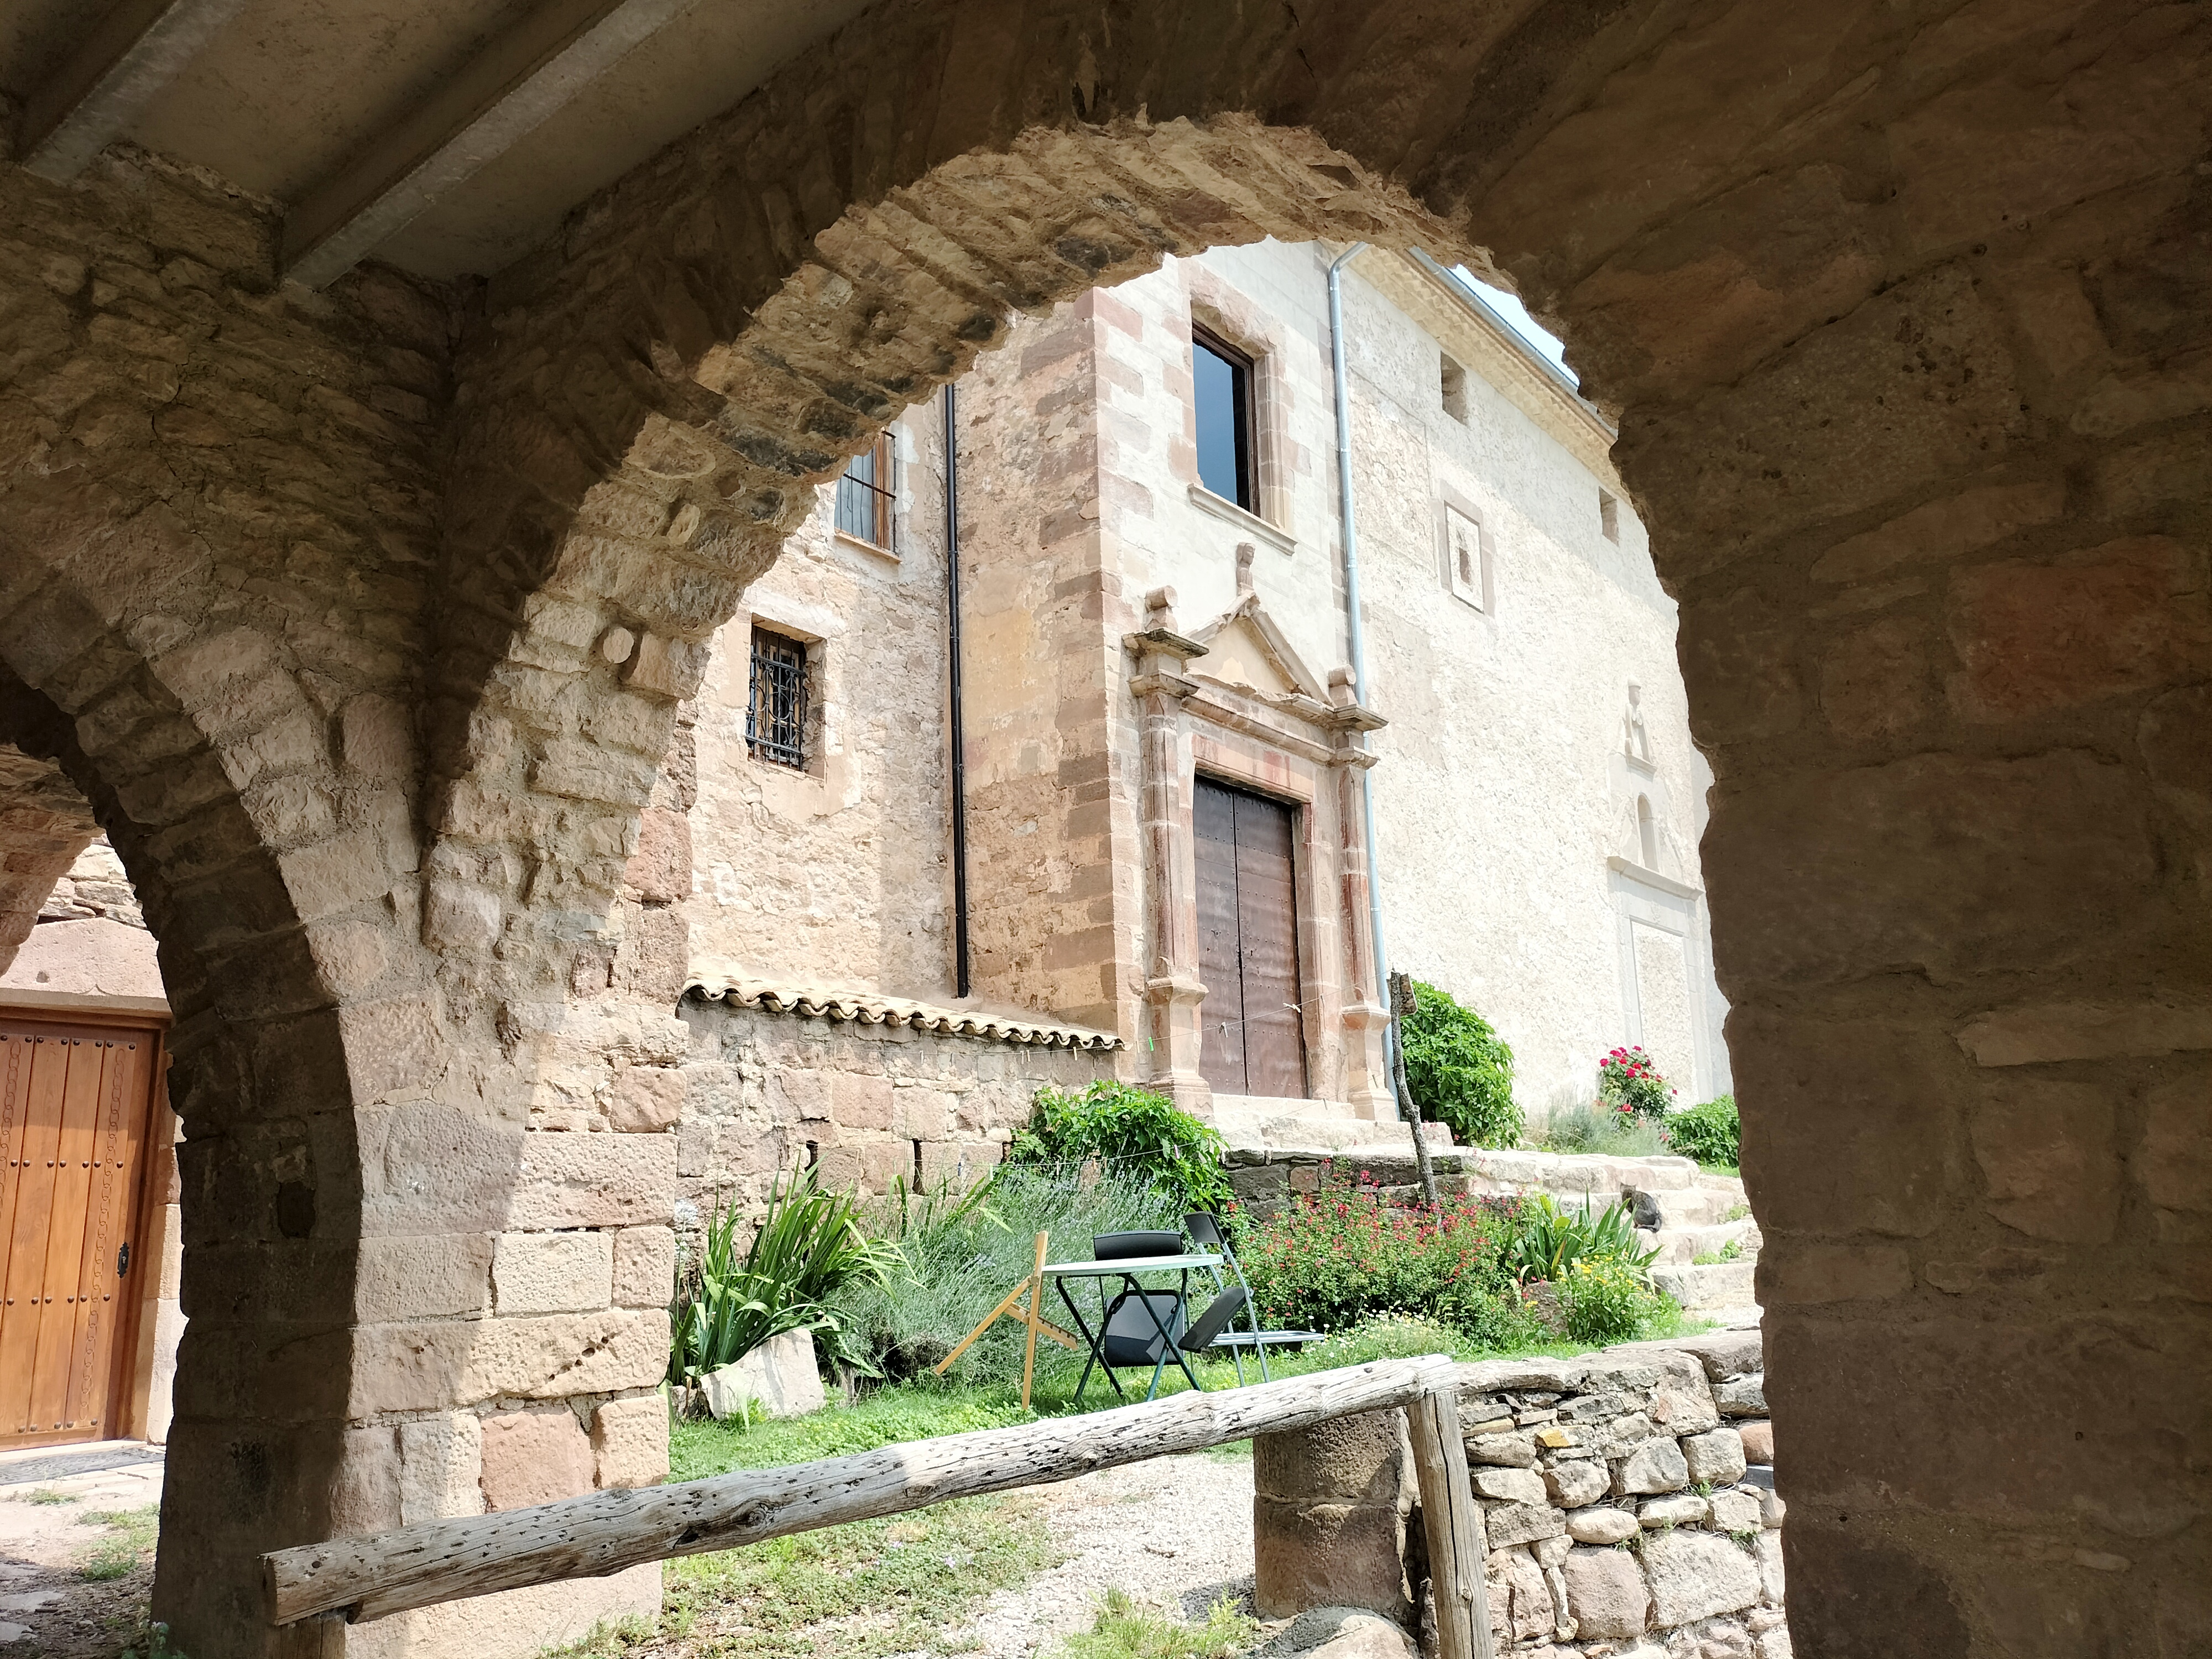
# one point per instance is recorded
(604, 1532)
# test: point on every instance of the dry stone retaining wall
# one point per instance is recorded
(1617, 1513)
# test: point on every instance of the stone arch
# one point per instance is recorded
(1910, 417)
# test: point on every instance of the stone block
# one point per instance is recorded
(782, 1377)
(644, 1267)
(1520, 1607)
(413, 1277)
(594, 1181)
(1573, 1485)
(533, 1457)
(1758, 1442)
(629, 1442)
(553, 1272)
(660, 872)
(1607, 1596)
(551, 1355)
(1770, 1564)
(1741, 1396)
(1656, 1465)
(1698, 1575)
(441, 1466)
(646, 1099)
(1508, 1524)
(1715, 1458)
(859, 1100)
(1517, 1451)
(1511, 1486)
(1601, 1525)
(1735, 1509)
(1678, 1510)
(1345, 1460)
(1327, 1555)
(2048, 1158)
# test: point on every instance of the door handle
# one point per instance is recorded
(123, 1259)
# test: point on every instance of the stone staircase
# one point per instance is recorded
(1256, 1123)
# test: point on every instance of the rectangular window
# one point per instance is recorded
(1452, 384)
(1608, 515)
(776, 709)
(1221, 379)
(864, 496)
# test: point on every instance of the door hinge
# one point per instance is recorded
(123, 1259)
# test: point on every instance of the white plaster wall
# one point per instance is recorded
(840, 874)
(1503, 791)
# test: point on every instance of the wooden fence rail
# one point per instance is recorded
(604, 1532)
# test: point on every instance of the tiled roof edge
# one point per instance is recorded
(867, 1008)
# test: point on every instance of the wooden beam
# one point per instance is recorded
(1453, 1522)
(604, 1532)
(136, 48)
(499, 96)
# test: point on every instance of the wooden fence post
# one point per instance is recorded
(1454, 1525)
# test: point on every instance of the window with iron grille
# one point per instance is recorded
(864, 496)
(775, 712)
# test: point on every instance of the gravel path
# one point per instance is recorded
(1175, 1532)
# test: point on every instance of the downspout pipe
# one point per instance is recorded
(957, 785)
(1349, 531)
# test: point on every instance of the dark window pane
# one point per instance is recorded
(1222, 388)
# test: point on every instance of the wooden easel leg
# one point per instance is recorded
(1036, 1313)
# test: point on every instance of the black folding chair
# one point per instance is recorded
(1206, 1232)
(1141, 1327)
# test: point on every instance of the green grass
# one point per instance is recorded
(1128, 1630)
(47, 1495)
(862, 1591)
(134, 1530)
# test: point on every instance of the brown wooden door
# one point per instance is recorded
(73, 1108)
(1247, 942)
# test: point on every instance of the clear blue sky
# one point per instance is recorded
(1545, 343)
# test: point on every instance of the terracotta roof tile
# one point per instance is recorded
(868, 1008)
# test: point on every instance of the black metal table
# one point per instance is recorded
(1126, 1270)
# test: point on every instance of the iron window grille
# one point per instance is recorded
(775, 710)
(866, 497)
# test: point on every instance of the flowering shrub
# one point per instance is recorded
(1628, 1080)
(1604, 1299)
(1333, 1258)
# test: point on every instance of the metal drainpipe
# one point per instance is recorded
(958, 783)
(1350, 527)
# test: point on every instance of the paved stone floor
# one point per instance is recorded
(48, 1607)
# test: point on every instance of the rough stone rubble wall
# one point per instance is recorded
(1617, 1517)
(45, 824)
(870, 1104)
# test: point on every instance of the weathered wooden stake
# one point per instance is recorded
(1402, 1004)
(1454, 1524)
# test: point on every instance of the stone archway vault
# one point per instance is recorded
(1903, 312)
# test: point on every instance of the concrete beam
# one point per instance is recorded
(135, 49)
(499, 96)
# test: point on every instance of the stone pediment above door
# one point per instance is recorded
(1245, 649)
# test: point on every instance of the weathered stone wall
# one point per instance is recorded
(1616, 1512)
(868, 1103)
(47, 826)
(841, 873)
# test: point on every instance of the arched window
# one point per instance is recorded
(1647, 833)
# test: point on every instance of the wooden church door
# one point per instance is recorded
(74, 1105)
(1247, 942)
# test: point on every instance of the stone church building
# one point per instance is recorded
(1166, 761)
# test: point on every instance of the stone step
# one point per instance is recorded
(1260, 1123)
(1692, 1206)
(1726, 1285)
(1681, 1247)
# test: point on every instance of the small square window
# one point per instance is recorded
(864, 496)
(1467, 558)
(1452, 383)
(1608, 515)
(1221, 388)
(775, 705)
